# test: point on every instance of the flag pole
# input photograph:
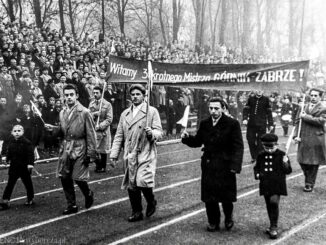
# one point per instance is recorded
(288, 143)
(149, 88)
(302, 108)
(36, 111)
(101, 103)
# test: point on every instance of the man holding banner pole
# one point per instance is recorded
(221, 138)
(138, 130)
(101, 110)
(311, 138)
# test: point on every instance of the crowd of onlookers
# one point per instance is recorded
(36, 64)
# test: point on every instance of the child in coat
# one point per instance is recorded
(20, 156)
(271, 169)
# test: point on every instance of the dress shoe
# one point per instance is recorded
(136, 217)
(212, 228)
(5, 205)
(70, 210)
(89, 200)
(308, 188)
(151, 208)
(273, 234)
(228, 224)
(29, 203)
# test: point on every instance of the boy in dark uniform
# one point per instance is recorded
(20, 156)
(271, 168)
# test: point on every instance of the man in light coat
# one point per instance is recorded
(137, 132)
(311, 139)
(78, 149)
(103, 120)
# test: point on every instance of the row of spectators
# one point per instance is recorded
(36, 64)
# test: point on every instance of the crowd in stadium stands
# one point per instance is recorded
(36, 64)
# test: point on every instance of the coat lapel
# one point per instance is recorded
(140, 115)
(74, 114)
(316, 108)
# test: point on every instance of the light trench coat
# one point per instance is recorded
(103, 134)
(140, 154)
(79, 142)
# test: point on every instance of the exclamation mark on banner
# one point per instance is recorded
(301, 74)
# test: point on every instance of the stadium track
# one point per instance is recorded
(168, 208)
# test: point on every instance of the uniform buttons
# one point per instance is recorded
(270, 157)
(266, 157)
(266, 163)
(270, 169)
(266, 169)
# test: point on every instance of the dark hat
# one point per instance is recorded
(139, 87)
(269, 139)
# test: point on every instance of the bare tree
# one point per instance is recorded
(10, 9)
(162, 22)
(223, 23)
(259, 33)
(213, 22)
(71, 18)
(61, 14)
(37, 12)
(177, 9)
(199, 9)
(145, 11)
(121, 8)
(246, 22)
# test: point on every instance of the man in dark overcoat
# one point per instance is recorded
(311, 139)
(257, 115)
(222, 159)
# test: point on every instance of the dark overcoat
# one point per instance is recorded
(272, 173)
(20, 153)
(312, 148)
(223, 153)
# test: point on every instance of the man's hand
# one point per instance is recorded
(30, 167)
(285, 159)
(96, 113)
(297, 140)
(4, 160)
(185, 134)
(49, 127)
(97, 128)
(245, 122)
(149, 133)
(303, 114)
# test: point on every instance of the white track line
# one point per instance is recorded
(298, 228)
(102, 180)
(29, 227)
(25, 228)
(181, 218)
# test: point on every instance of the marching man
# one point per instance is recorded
(103, 115)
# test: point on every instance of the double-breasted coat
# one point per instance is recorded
(271, 171)
(312, 149)
(140, 154)
(222, 158)
(79, 142)
(103, 133)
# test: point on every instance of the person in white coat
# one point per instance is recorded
(137, 133)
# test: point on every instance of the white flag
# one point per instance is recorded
(150, 75)
(35, 109)
(184, 120)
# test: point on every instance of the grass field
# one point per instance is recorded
(180, 217)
